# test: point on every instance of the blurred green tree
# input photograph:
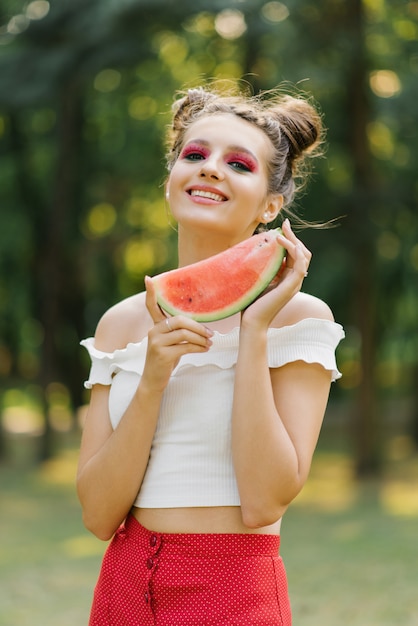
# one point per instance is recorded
(84, 87)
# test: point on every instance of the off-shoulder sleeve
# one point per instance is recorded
(100, 370)
(310, 340)
(104, 365)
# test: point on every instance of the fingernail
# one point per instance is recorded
(209, 331)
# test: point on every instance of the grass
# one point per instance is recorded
(351, 551)
(48, 562)
(351, 556)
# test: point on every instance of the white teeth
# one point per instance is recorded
(206, 194)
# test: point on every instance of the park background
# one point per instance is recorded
(85, 93)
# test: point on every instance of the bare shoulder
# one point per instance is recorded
(303, 306)
(128, 321)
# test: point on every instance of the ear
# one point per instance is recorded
(272, 208)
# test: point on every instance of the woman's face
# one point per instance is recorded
(220, 180)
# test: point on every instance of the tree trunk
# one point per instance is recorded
(55, 276)
(57, 271)
(358, 115)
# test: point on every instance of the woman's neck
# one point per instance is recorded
(194, 247)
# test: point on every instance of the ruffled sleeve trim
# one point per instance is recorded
(310, 340)
(104, 365)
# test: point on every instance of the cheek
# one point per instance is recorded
(177, 175)
(257, 191)
(175, 190)
(173, 181)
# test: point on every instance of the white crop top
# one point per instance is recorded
(190, 462)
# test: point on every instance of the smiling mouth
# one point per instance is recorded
(207, 194)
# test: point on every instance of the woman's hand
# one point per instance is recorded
(168, 340)
(286, 284)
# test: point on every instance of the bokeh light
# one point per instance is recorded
(230, 24)
(385, 83)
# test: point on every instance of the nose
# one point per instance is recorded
(211, 169)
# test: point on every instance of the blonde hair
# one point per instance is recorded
(292, 124)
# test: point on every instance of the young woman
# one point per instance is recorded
(198, 436)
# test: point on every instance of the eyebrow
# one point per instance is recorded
(232, 148)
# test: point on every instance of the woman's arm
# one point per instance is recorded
(112, 463)
(277, 414)
(277, 417)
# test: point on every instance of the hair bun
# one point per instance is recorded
(301, 124)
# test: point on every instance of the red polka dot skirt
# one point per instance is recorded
(163, 579)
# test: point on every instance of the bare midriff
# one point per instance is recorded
(219, 519)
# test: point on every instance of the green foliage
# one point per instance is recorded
(85, 91)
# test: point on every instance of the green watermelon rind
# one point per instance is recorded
(265, 278)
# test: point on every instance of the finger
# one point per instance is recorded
(290, 247)
(297, 269)
(288, 232)
(151, 302)
(187, 339)
(167, 325)
(191, 348)
(295, 248)
(184, 329)
(290, 235)
(302, 260)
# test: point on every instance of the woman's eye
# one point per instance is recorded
(193, 153)
(242, 163)
(193, 156)
(240, 166)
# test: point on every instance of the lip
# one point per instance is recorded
(220, 196)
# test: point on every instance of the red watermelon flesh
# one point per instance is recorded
(223, 284)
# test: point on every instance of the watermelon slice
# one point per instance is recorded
(223, 284)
